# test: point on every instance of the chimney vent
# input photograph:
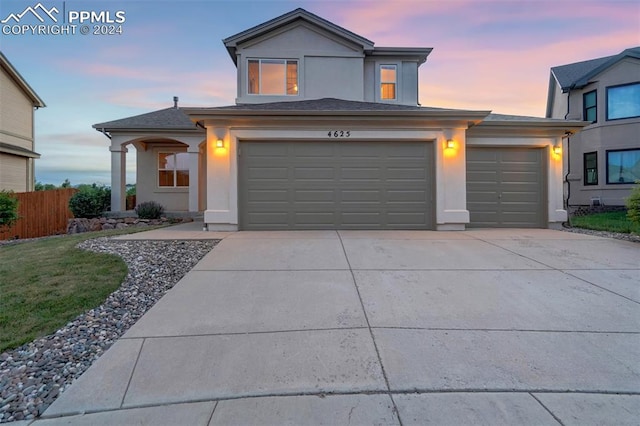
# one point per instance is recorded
(175, 102)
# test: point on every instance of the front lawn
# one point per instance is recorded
(46, 283)
(612, 222)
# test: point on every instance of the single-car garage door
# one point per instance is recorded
(335, 185)
(506, 187)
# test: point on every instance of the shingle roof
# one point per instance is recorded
(520, 118)
(165, 119)
(577, 75)
(324, 104)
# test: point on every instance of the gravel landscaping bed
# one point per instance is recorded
(617, 235)
(33, 375)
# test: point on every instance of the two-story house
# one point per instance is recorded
(17, 105)
(327, 133)
(602, 162)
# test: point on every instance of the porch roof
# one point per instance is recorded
(165, 119)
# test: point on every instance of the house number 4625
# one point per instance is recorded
(339, 133)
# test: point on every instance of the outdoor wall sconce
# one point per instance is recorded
(219, 143)
(450, 144)
(557, 149)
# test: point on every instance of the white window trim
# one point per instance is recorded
(174, 170)
(286, 61)
(381, 82)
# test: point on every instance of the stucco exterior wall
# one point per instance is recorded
(601, 136)
(147, 189)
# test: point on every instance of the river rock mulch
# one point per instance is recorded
(33, 375)
(617, 235)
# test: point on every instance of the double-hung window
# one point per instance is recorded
(590, 105)
(590, 168)
(623, 101)
(272, 77)
(388, 81)
(173, 169)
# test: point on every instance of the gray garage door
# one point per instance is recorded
(335, 185)
(506, 187)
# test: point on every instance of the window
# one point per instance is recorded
(623, 101)
(173, 169)
(589, 102)
(623, 166)
(388, 82)
(272, 77)
(591, 168)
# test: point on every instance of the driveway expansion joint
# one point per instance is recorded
(547, 409)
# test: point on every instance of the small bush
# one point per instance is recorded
(8, 209)
(149, 210)
(90, 201)
(633, 204)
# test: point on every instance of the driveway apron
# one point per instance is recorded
(393, 327)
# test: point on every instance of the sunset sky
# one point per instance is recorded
(487, 54)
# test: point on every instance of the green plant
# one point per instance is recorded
(8, 208)
(90, 201)
(633, 204)
(149, 210)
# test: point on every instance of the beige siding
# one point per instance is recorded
(173, 199)
(16, 114)
(14, 171)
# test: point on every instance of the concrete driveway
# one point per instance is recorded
(362, 327)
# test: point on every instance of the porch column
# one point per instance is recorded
(194, 177)
(118, 177)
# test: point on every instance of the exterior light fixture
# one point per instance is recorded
(219, 143)
(557, 149)
(450, 144)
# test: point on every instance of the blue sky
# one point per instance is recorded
(487, 54)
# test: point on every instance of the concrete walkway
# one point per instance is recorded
(526, 327)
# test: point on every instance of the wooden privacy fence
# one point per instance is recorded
(41, 213)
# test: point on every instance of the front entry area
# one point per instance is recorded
(335, 185)
(506, 187)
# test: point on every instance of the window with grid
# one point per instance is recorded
(272, 77)
(388, 81)
(591, 168)
(173, 169)
(589, 102)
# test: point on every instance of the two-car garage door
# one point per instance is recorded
(335, 185)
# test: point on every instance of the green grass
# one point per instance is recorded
(46, 283)
(612, 222)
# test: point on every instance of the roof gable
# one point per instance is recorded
(20, 81)
(232, 42)
(579, 74)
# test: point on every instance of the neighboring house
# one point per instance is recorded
(327, 133)
(17, 155)
(603, 161)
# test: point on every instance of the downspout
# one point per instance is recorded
(566, 177)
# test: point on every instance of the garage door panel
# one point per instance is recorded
(506, 187)
(336, 185)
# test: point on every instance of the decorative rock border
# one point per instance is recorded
(80, 225)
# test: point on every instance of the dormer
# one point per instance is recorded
(300, 56)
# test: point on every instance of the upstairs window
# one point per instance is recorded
(589, 102)
(388, 81)
(591, 168)
(623, 101)
(272, 77)
(173, 169)
(623, 166)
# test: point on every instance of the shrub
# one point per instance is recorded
(149, 210)
(90, 201)
(633, 204)
(8, 209)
